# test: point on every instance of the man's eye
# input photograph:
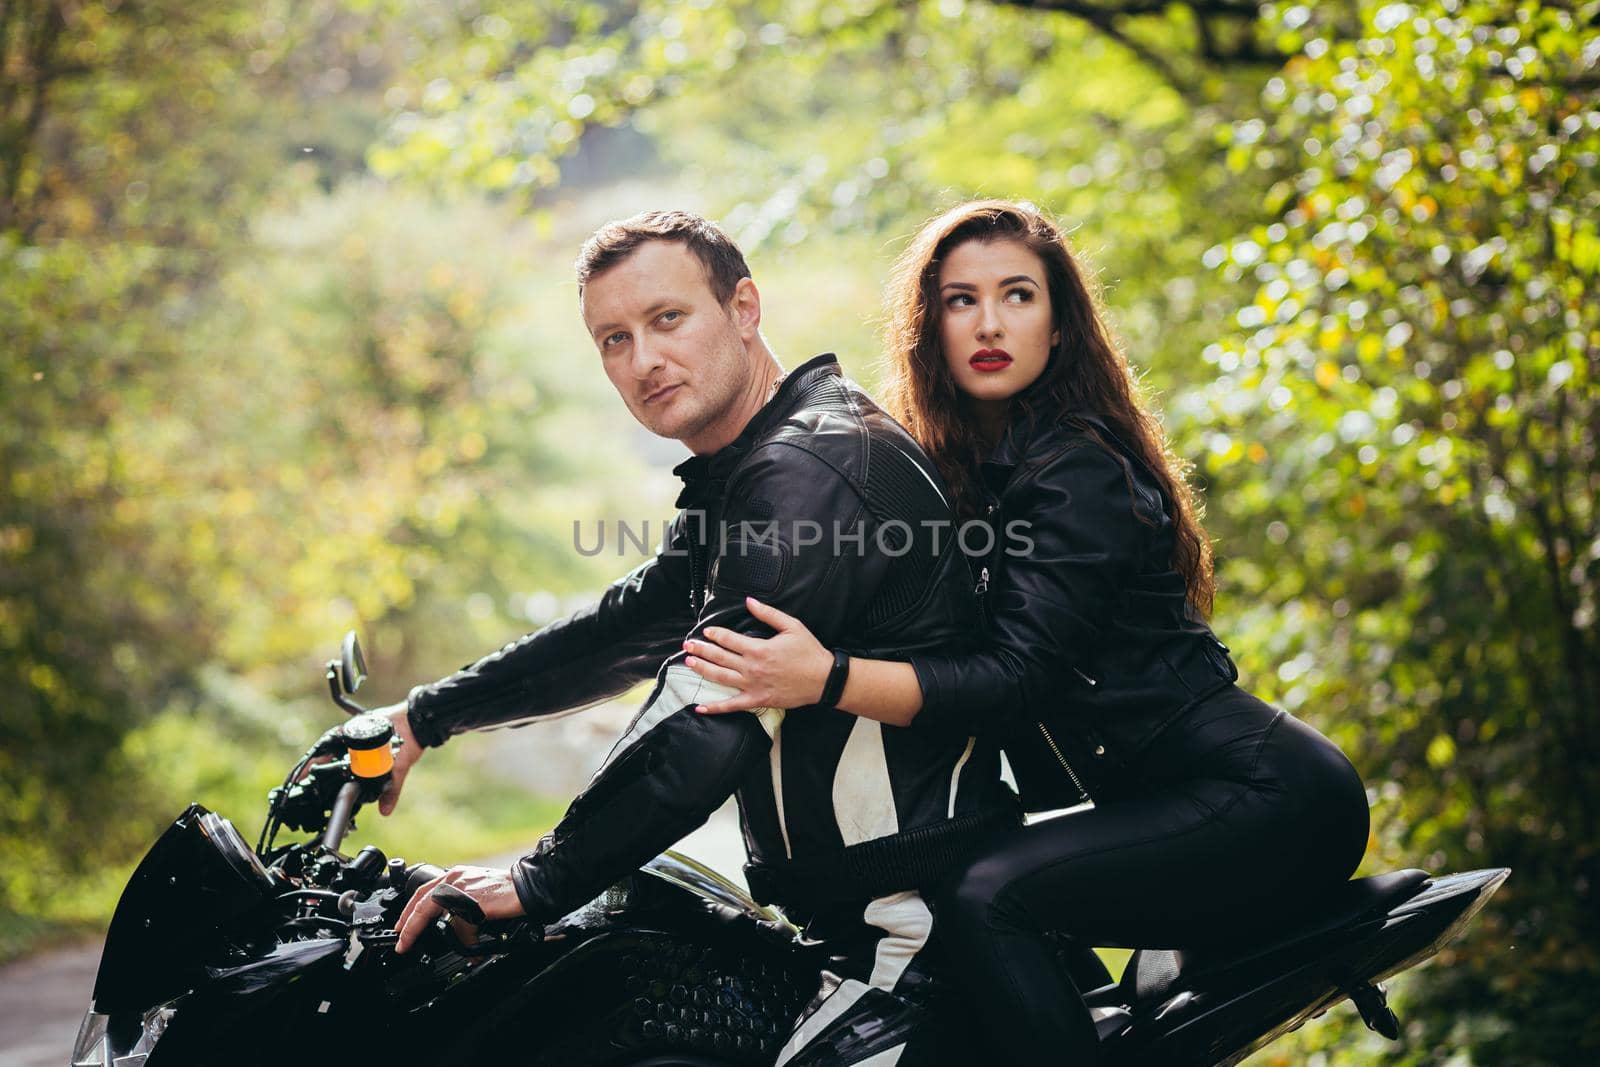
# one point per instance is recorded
(670, 317)
(614, 339)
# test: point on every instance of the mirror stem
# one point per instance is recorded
(350, 706)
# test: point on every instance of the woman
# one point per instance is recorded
(1098, 672)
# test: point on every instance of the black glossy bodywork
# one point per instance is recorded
(1217, 1005)
(674, 962)
(673, 966)
(197, 880)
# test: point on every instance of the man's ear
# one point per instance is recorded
(746, 309)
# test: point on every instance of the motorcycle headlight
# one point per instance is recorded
(100, 1044)
(91, 1049)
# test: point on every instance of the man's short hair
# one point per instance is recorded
(615, 241)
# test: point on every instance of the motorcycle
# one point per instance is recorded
(220, 952)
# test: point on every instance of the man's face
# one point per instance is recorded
(675, 354)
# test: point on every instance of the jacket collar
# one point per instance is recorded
(1031, 411)
(1036, 413)
(705, 477)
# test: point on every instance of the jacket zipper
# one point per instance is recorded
(983, 576)
(696, 590)
(1083, 794)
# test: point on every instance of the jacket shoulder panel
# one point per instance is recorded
(1070, 457)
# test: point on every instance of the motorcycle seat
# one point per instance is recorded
(1152, 975)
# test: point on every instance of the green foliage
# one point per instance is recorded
(225, 745)
(1401, 450)
(240, 414)
(795, 124)
(120, 196)
(251, 396)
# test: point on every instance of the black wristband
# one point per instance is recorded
(833, 688)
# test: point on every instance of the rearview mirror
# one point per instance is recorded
(352, 664)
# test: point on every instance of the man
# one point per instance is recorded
(802, 493)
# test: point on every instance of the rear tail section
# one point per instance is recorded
(1219, 1004)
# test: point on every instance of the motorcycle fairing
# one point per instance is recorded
(290, 958)
(196, 878)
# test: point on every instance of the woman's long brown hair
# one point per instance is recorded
(1087, 373)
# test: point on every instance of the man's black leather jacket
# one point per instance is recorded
(824, 508)
(1092, 646)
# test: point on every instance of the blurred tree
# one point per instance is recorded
(505, 107)
(1408, 415)
(99, 605)
(237, 415)
(806, 121)
(246, 399)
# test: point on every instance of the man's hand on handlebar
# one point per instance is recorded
(489, 890)
(408, 754)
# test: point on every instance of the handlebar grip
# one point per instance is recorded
(458, 904)
(417, 876)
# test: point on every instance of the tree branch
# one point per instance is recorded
(40, 47)
(1108, 18)
(1235, 9)
(1165, 70)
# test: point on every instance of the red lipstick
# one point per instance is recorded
(990, 359)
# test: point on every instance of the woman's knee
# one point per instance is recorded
(981, 895)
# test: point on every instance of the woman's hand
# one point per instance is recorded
(786, 670)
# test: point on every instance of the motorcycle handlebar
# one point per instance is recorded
(344, 809)
(419, 875)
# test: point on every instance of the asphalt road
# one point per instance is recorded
(42, 1000)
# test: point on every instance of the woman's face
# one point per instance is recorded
(996, 326)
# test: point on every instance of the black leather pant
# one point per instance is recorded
(1238, 807)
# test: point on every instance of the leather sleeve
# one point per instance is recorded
(1057, 587)
(589, 656)
(786, 540)
(674, 767)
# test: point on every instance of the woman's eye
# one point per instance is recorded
(959, 300)
(1020, 296)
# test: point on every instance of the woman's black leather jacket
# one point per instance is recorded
(1092, 647)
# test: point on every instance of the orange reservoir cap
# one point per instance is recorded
(367, 737)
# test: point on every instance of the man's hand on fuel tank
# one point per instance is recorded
(491, 889)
